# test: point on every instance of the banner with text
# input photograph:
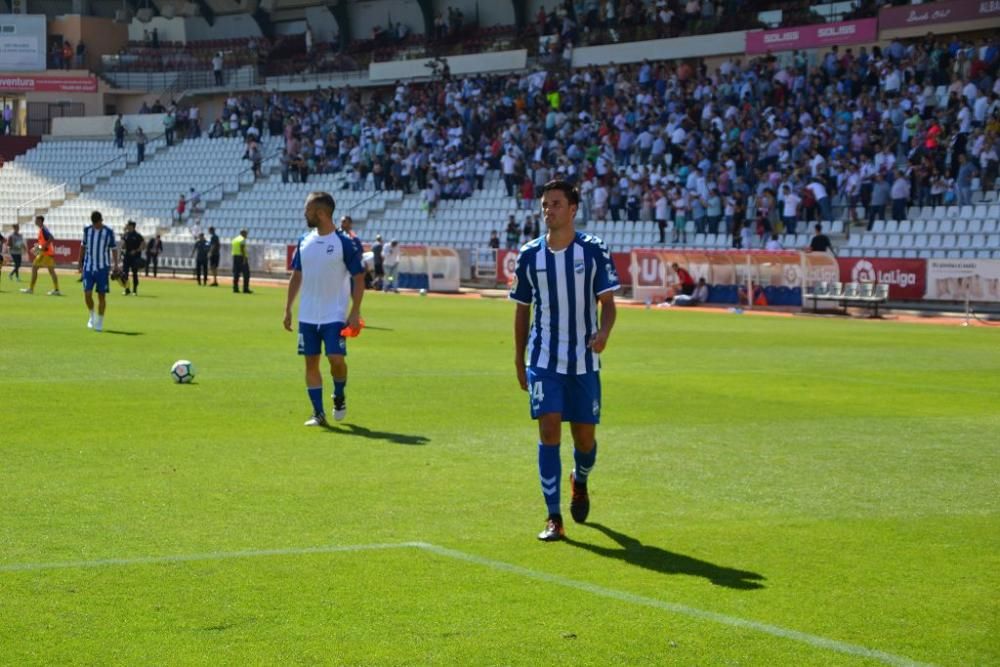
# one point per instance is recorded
(48, 84)
(961, 279)
(934, 13)
(812, 36)
(22, 43)
(905, 277)
(67, 251)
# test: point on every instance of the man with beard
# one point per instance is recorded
(320, 267)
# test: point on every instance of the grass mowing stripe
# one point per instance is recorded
(214, 555)
(623, 596)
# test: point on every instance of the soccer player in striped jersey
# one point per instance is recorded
(100, 253)
(325, 262)
(570, 281)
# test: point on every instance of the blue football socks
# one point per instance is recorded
(316, 396)
(550, 474)
(584, 464)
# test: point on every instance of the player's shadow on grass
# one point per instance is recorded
(634, 552)
(362, 432)
(115, 332)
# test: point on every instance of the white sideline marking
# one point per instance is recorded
(622, 596)
(214, 555)
(684, 610)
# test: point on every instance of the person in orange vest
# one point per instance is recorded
(45, 256)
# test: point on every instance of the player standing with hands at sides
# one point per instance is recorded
(321, 265)
(96, 267)
(565, 275)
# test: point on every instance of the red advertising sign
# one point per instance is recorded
(48, 84)
(66, 251)
(907, 278)
(507, 263)
(933, 13)
(812, 36)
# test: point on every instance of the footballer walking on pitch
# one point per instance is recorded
(326, 268)
(564, 275)
(98, 244)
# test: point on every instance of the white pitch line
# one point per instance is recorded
(622, 596)
(213, 555)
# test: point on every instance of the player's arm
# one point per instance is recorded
(294, 283)
(357, 294)
(609, 312)
(522, 316)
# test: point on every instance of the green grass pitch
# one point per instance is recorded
(769, 491)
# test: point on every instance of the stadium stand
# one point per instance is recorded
(148, 193)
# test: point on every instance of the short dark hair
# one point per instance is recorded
(96, 217)
(567, 188)
(211, 230)
(818, 227)
(39, 218)
(324, 199)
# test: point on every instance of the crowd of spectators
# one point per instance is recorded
(749, 150)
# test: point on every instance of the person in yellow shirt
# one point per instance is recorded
(241, 262)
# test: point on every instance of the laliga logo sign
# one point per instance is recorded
(61, 250)
(865, 272)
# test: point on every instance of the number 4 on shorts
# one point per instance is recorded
(536, 393)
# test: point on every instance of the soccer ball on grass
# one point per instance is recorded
(182, 371)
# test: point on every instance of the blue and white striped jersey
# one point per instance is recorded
(97, 246)
(563, 287)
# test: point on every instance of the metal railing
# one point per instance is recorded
(222, 184)
(121, 156)
(20, 207)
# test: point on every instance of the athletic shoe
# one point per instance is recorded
(316, 420)
(99, 324)
(90, 321)
(126, 292)
(579, 505)
(26, 290)
(339, 408)
(553, 529)
(54, 292)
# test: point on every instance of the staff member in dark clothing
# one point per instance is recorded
(153, 250)
(133, 243)
(241, 262)
(15, 246)
(214, 252)
(820, 242)
(201, 252)
(377, 261)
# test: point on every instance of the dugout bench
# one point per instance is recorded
(869, 295)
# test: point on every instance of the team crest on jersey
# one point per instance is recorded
(579, 266)
(330, 250)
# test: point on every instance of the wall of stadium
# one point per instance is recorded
(723, 43)
(367, 15)
(488, 13)
(323, 24)
(103, 126)
(193, 29)
(499, 61)
(99, 35)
